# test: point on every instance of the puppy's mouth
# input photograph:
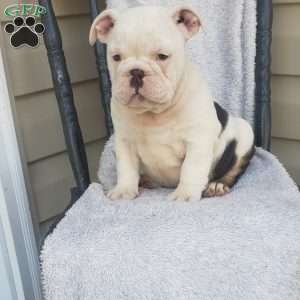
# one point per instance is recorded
(137, 97)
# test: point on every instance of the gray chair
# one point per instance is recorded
(64, 94)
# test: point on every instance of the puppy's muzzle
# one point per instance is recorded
(136, 80)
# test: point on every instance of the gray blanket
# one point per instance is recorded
(245, 245)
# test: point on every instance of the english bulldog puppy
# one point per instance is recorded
(169, 132)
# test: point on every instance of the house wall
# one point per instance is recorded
(286, 84)
(37, 111)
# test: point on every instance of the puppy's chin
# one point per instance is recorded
(141, 104)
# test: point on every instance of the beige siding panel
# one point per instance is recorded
(288, 153)
(286, 107)
(52, 179)
(67, 7)
(41, 125)
(29, 68)
(61, 7)
(285, 1)
(286, 40)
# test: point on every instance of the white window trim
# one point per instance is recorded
(17, 239)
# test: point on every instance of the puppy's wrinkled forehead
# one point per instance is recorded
(141, 28)
(144, 25)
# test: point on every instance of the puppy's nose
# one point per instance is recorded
(137, 73)
(136, 80)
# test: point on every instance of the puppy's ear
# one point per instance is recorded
(187, 21)
(102, 26)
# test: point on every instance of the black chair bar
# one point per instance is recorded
(64, 95)
(262, 74)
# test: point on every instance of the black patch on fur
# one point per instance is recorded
(222, 115)
(226, 161)
(246, 161)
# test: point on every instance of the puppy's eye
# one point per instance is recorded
(116, 57)
(161, 56)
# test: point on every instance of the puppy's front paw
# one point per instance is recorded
(186, 193)
(216, 189)
(123, 192)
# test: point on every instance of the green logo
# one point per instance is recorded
(24, 10)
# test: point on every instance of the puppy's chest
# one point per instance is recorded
(160, 149)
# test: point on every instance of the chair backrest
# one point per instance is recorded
(72, 132)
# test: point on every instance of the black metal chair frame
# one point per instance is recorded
(63, 89)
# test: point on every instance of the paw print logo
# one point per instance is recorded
(24, 31)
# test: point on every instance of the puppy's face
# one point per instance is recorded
(145, 52)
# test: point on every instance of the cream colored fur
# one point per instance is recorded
(169, 132)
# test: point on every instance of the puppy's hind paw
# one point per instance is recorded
(126, 193)
(216, 189)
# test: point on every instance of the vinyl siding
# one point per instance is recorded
(286, 85)
(37, 112)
